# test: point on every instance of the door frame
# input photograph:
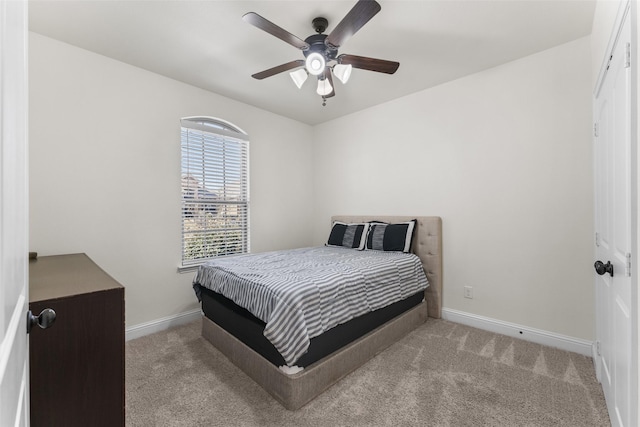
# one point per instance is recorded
(630, 7)
(14, 267)
(635, 219)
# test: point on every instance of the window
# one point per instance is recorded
(215, 190)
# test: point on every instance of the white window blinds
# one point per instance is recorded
(215, 190)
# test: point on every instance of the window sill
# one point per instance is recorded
(188, 269)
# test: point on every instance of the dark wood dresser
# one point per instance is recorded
(77, 364)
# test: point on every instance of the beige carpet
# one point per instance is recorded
(442, 374)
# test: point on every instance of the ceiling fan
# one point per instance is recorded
(321, 50)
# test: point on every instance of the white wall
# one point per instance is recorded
(504, 157)
(105, 171)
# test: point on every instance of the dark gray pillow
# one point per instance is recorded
(391, 237)
(348, 235)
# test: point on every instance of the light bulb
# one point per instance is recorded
(315, 63)
(324, 87)
(299, 77)
(342, 72)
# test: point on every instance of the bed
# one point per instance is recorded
(329, 356)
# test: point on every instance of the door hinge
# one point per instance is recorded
(598, 348)
(597, 239)
(627, 56)
(595, 129)
(628, 265)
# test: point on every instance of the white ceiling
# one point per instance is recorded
(206, 43)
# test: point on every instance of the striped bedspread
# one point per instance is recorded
(301, 293)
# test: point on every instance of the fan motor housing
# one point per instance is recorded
(316, 44)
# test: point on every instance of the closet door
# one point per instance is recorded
(612, 157)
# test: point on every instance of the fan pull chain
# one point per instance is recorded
(324, 101)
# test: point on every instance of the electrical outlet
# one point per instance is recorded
(468, 292)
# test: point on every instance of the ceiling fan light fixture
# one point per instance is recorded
(299, 77)
(342, 72)
(315, 63)
(321, 58)
(324, 87)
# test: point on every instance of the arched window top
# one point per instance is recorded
(214, 125)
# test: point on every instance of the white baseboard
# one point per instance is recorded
(537, 336)
(158, 325)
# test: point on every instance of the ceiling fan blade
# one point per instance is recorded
(271, 28)
(327, 73)
(371, 64)
(359, 15)
(278, 69)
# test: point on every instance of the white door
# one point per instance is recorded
(14, 298)
(612, 163)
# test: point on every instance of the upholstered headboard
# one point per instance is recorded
(427, 245)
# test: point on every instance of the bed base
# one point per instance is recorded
(249, 329)
(294, 391)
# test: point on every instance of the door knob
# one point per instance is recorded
(44, 320)
(602, 268)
